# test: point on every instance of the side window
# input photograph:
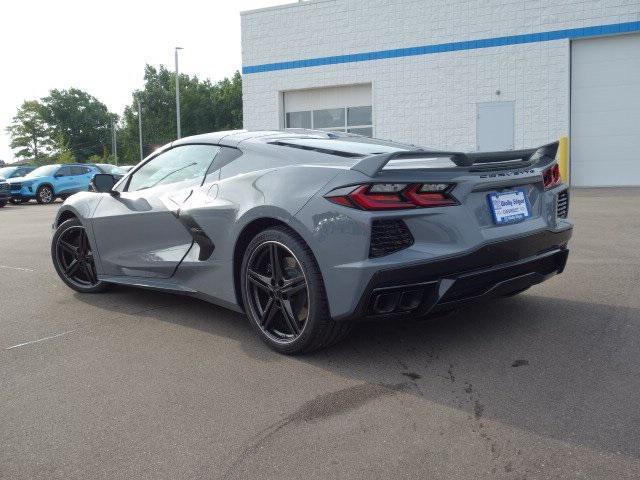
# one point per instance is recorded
(63, 172)
(75, 170)
(176, 165)
(225, 156)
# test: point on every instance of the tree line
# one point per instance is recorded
(73, 126)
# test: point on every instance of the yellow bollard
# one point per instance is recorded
(563, 158)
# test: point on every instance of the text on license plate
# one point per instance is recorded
(509, 207)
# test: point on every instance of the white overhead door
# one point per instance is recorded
(605, 111)
(345, 109)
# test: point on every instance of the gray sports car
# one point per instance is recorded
(306, 231)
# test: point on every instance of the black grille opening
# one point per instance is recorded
(562, 204)
(388, 236)
(16, 186)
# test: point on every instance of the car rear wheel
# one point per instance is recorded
(284, 295)
(44, 194)
(2, 203)
(73, 258)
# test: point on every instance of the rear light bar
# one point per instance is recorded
(551, 177)
(393, 196)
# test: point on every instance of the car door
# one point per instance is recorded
(62, 180)
(138, 232)
(81, 177)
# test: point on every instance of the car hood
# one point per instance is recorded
(22, 179)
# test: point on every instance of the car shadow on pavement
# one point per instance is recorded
(559, 368)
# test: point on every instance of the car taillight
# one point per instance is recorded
(393, 196)
(551, 177)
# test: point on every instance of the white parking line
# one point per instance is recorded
(39, 340)
(17, 268)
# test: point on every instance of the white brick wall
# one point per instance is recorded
(428, 100)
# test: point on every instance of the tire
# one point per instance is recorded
(44, 195)
(83, 278)
(3, 203)
(318, 329)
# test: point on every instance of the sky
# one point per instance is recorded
(102, 47)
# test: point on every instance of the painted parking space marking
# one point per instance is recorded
(21, 269)
(39, 340)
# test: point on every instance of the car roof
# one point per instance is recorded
(232, 138)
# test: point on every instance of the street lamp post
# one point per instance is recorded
(140, 128)
(114, 141)
(177, 93)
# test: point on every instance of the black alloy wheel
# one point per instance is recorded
(278, 291)
(283, 294)
(73, 258)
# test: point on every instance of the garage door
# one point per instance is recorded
(605, 111)
(345, 109)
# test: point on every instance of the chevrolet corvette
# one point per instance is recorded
(307, 231)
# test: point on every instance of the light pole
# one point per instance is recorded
(140, 128)
(177, 92)
(114, 141)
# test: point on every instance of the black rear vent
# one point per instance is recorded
(562, 204)
(388, 236)
(311, 148)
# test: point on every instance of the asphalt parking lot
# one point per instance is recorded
(138, 384)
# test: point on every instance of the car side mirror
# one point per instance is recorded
(103, 183)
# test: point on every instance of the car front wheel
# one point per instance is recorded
(284, 295)
(73, 258)
(44, 194)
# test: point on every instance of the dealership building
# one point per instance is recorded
(458, 75)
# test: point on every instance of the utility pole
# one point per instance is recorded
(178, 93)
(140, 128)
(114, 142)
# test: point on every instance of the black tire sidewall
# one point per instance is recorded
(64, 226)
(39, 200)
(317, 297)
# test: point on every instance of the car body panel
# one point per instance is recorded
(150, 239)
(5, 191)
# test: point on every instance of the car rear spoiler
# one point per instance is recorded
(373, 165)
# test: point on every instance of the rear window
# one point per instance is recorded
(344, 146)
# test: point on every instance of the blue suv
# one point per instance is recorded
(49, 182)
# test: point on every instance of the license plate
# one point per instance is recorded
(509, 207)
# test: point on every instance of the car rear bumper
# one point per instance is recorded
(494, 269)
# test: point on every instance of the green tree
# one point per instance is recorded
(63, 152)
(80, 119)
(30, 133)
(204, 106)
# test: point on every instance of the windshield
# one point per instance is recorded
(45, 171)
(112, 169)
(6, 172)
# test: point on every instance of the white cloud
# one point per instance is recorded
(102, 47)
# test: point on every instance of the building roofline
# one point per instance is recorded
(297, 4)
